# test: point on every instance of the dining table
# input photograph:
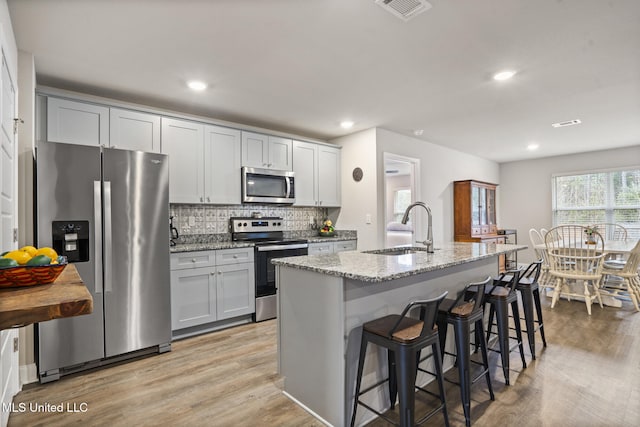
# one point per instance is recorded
(611, 247)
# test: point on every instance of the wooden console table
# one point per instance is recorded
(66, 297)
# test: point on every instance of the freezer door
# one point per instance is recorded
(136, 250)
(68, 189)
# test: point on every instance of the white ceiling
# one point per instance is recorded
(302, 66)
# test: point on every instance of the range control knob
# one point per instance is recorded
(245, 224)
(279, 223)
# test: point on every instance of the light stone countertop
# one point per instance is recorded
(377, 268)
(229, 244)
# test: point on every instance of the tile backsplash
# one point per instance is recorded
(214, 219)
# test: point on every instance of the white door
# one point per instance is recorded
(75, 122)
(222, 165)
(133, 130)
(236, 290)
(8, 204)
(255, 150)
(279, 154)
(183, 142)
(329, 181)
(305, 166)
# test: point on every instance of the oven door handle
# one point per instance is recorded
(281, 247)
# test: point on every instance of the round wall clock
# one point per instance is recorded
(357, 174)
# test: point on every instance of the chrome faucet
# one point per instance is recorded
(429, 241)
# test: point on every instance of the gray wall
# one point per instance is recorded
(525, 187)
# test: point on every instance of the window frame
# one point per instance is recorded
(609, 206)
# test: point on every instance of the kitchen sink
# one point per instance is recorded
(407, 250)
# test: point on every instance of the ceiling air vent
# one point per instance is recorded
(567, 123)
(404, 9)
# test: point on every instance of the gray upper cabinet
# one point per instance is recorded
(204, 162)
(317, 169)
(222, 181)
(329, 171)
(75, 122)
(266, 151)
(133, 130)
(183, 141)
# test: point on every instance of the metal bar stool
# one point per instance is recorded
(404, 337)
(500, 296)
(530, 293)
(462, 313)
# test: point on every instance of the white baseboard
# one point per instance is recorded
(28, 374)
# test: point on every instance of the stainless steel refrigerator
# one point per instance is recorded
(107, 210)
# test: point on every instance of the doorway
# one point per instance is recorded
(401, 188)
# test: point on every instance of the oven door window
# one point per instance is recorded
(266, 272)
(266, 186)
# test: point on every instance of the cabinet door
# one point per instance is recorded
(193, 297)
(255, 148)
(305, 166)
(75, 122)
(348, 245)
(320, 248)
(279, 154)
(329, 176)
(491, 211)
(132, 130)
(183, 142)
(222, 148)
(236, 290)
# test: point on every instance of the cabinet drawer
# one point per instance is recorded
(475, 231)
(234, 256)
(501, 240)
(349, 245)
(320, 248)
(184, 260)
(484, 229)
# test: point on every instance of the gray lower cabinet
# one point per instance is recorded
(208, 286)
(332, 247)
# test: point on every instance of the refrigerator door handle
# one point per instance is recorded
(97, 231)
(107, 237)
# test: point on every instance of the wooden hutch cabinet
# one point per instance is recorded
(474, 206)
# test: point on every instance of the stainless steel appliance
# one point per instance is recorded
(268, 186)
(267, 233)
(106, 209)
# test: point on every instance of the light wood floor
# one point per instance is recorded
(589, 375)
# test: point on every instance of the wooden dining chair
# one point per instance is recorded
(574, 261)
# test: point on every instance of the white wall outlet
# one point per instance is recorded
(367, 219)
(192, 221)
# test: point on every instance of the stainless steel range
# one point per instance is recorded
(268, 235)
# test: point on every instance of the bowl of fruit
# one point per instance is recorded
(30, 266)
(327, 229)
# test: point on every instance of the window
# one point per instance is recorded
(401, 201)
(598, 197)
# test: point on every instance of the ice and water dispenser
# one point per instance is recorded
(71, 239)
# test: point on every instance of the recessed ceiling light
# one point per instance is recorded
(197, 85)
(418, 132)
(567, 123)
(533, 146)
(503, 75)
(346, 124)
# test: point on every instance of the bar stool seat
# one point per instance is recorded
(462, 313)
(404, 337)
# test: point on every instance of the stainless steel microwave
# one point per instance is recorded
(268, 186)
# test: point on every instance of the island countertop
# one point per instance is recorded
(375, 268)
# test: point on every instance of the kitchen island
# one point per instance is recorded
(324, 300)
